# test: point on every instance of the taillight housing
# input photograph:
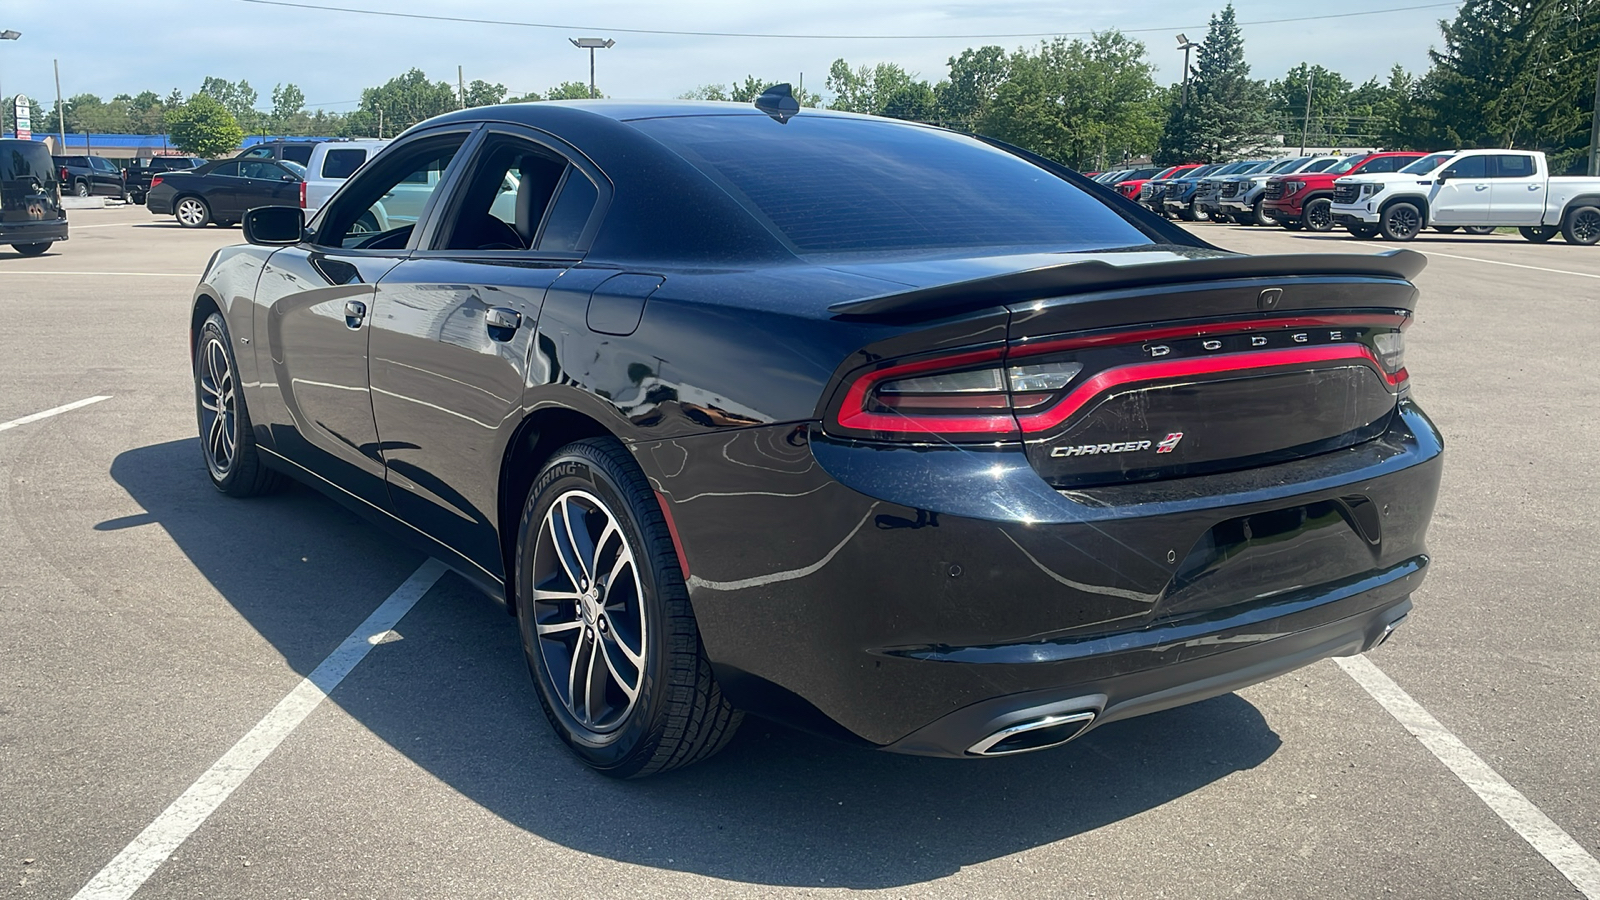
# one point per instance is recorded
(302, 195)
(155, 180)
(1032, 387)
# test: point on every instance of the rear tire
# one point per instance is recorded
(652, 704)
(1318, 215)
(1540, 234)
(1197, 213)
(227, 440)
(32, 249)
(191, 212)
(1478, 229)
(1400, 221)
(81, 189)
(1445, 229)
(1581, 226)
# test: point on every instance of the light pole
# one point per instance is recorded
(7, 35)
(1186, 45)
(591, 45)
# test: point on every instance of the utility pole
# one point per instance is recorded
(461, 82)
(1305, 124)
(8, 105)
(380, 123)
(1594, 129)
(61, 110)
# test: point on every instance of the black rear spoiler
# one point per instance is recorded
(1098, 275)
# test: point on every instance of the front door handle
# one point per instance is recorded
(1535, 187)
(354, 313)
(1480, 187)
(501, 322)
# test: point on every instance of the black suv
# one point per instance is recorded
(294, 151)
(89, 176)
(138, 174)
(31, 218)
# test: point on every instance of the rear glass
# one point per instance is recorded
(300, 153)
(26, 161)
(840, 185)
(343, 163)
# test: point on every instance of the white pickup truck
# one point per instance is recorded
(330, 165)
(1470, 188)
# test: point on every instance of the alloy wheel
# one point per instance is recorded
(191, 212)
(588, 611)
(1319, 215)
(219, 420)
(1404, 222)
(1586, 225)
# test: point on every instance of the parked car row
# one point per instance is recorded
(1389, 194)
(222, 192)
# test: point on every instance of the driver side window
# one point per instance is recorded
(1469, 167)
(381, 205)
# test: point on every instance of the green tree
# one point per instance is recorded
(1228, 110)
(866, 89)
(975, 80)
(1330, 122)
(482, 93)
(203, 127)
(401, 102)
(746, 92)
(1078, 102)
(238, 98)
(288, 103)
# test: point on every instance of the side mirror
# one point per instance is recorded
(287, 178)
(275, 226)
(1446, 175)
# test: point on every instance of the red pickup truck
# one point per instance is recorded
(1305, 200)
(1132, 186)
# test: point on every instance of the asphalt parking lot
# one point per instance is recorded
(148, 623)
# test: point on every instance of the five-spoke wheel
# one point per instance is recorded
(588, 606)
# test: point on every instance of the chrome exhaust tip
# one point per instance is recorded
(1388, 632)
(1034, 734)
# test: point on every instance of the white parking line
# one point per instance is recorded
(76, 404)
(140, 859)
(1495, 262)
(1545, 836)
(115, 274)
(104, 225)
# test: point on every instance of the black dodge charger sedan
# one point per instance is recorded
(222, 191)
(889, 433)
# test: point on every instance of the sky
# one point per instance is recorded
(333, 55)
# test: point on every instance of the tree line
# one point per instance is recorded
(1509, 73)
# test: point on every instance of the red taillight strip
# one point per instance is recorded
(853, 414)
(1193, 331)
(1206, 365)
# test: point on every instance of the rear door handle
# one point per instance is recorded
(1480, 187)
(501, 322)
(354, 312)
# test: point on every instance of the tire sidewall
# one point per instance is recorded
(626, 746)
(1326, 224)
(216, 327)
(1569, 226)
(1390, 211)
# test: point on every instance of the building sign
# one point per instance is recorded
(24, 111)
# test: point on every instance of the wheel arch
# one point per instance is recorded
(1576, 202)
(537, 437)
(1421, 203)
(204, 306)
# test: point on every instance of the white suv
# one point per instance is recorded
(331, 163)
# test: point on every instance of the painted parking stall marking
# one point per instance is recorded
(140, 859)
(1544, 835)
(69, 407)
(1495, 262)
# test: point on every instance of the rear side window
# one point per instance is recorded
(563, 227)
(839, 185)
(1514, 165)
(342, 163)
(1469, 167)
(26, 161)
(230, 168)
(300, 153)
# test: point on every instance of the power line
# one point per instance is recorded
(814, 37)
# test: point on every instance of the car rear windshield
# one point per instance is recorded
(26, 161)
(842, 185)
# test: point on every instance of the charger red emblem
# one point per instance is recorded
(1170, 442)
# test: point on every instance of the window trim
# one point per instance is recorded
(472, 137)
(1533, 165)
(575, 159)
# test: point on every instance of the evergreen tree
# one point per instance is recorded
(1228, 112)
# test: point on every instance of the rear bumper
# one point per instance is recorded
(907, 598)
(33, 232)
